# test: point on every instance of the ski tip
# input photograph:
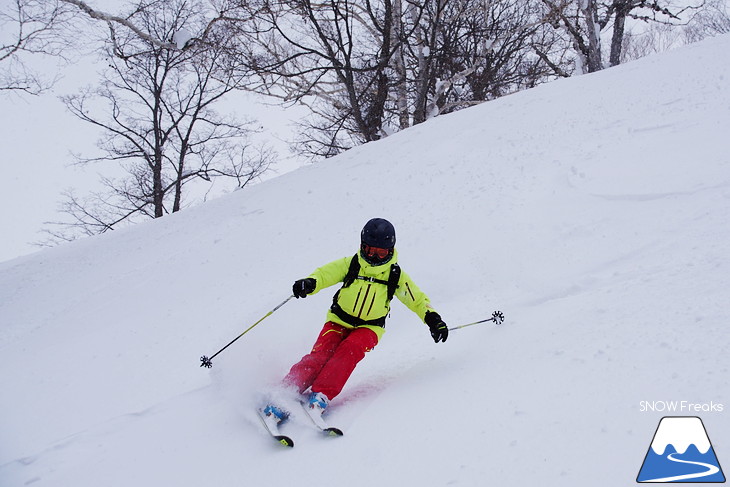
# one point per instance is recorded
(333, 432)
(285, 440)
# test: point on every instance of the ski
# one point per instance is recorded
(271, 423)
(315, 415)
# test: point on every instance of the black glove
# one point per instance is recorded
(439, 330)
(302, 287)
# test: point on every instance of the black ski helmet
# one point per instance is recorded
(378, 232)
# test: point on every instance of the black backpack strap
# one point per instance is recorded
(352, 272)
(393, 279)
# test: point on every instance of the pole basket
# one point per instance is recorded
(497, 317)
(206, 362)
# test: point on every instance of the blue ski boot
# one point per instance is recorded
(318, 402)
(276, 412)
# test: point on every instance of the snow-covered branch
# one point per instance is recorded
(109, 18)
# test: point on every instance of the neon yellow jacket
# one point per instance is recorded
(367, 300)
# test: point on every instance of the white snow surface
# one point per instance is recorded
(594, 212)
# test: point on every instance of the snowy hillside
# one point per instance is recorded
(594, 212)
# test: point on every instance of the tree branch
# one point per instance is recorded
(109, 18)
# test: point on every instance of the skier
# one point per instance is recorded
(356, 319)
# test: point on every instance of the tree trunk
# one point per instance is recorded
(376, 110)
(179, 180)
(399, 67)
(617, 38)
(158, 192)
(594, 37)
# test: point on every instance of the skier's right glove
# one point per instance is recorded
(302, 287)
(439, 330)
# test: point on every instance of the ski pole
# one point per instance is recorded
(208, 362)
(497, 317)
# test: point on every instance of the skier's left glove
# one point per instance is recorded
(439, 330)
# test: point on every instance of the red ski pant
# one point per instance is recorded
(333, 358)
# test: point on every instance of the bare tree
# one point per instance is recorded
(711, 20)
(654, 12)
(583, 21)
(112, 19)
(333, 56)
(155, 107)
(486, 49)
(222, 12)
(368, 68)
(30, 27)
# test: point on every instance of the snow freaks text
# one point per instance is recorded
(680, 407)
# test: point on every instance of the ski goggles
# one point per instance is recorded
(375, 252)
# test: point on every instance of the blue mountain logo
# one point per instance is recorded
(681, 452)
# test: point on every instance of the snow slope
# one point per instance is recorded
(594, 212)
